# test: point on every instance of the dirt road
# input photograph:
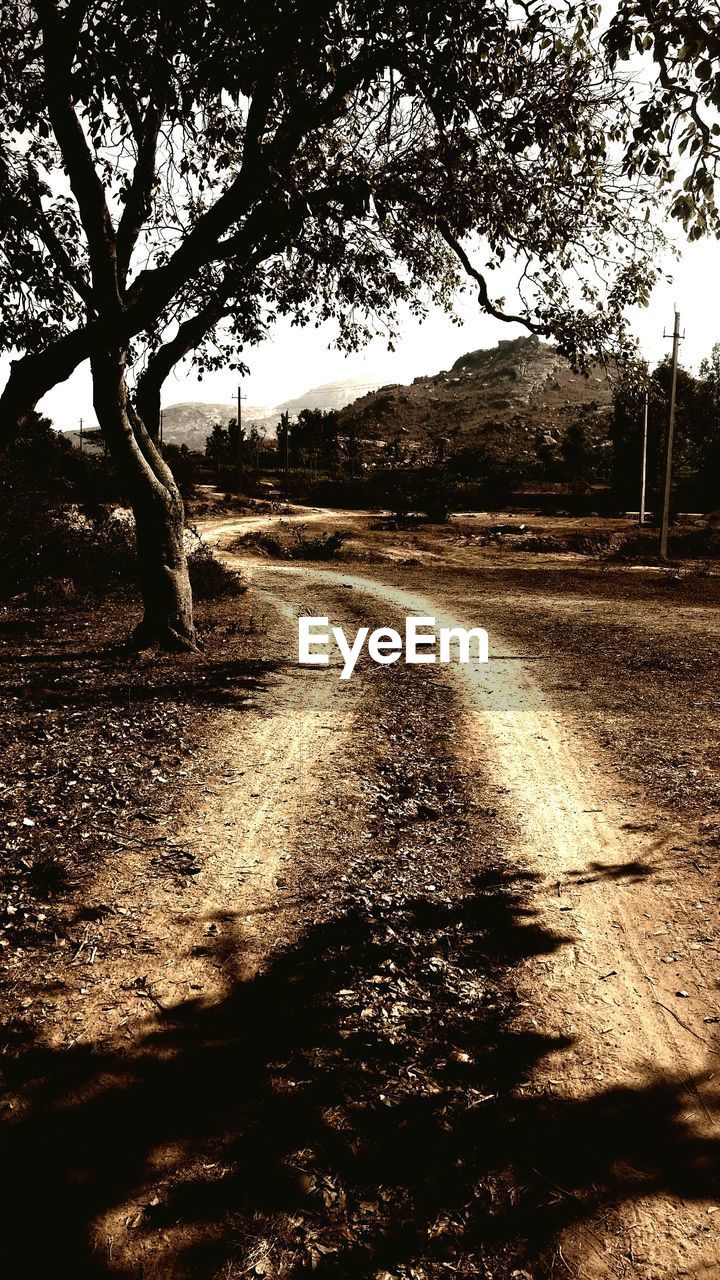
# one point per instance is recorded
(415, 982)
(627, 1022)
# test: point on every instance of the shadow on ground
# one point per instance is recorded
(630, 872)
(200, 682)
(361, 1107)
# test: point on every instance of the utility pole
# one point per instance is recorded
(239, 397)
(643, 477)
(669, 441)
(81, 435)
(285, 436)
(162, 416)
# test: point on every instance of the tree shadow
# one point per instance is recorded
(630, 872)
(363, 1104)
(200, 682)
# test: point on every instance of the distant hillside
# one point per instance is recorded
(191, 423)
(514, 390)
(517, 389)
(331, 395)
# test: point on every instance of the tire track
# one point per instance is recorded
(608, 989)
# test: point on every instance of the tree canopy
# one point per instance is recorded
(168, 165)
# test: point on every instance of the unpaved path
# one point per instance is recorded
(298, 1059)
(134, 1083)
(237, 526)
(609, 991)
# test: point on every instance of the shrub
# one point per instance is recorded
(210, 579)
(319, 546)
(293, 543)
(58, 555)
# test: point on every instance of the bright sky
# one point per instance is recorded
(293, 361)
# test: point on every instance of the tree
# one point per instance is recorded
(237, 449)
(627, 426)
(626, 433)
(255, 442)
(217, 447)
(225, 164)
(315, 437)
(579, 455)
(282, 432)
(706, 424)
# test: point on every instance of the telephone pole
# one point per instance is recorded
(81, 435)
(162, 416)
(239, 397)
(284, 437)
(643, 477)
(669, 440)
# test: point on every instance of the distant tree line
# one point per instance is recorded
(696, 450)
(233, 455)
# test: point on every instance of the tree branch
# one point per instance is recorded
(58, 48)
(162, 362)
(54, 245)
(481, 282)
(33, 376)
(139, 194)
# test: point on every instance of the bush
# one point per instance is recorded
(320, 546)
(60, 553)
(293, 543)
(56, 556)
(210, 579)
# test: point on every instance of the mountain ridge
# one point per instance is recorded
(517, 388)
(520, 387)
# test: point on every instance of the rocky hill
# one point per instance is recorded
(516, 390)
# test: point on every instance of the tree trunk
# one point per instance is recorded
(163, 574)
(147, 403)
(158, 508)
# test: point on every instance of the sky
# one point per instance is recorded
(293, 361)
